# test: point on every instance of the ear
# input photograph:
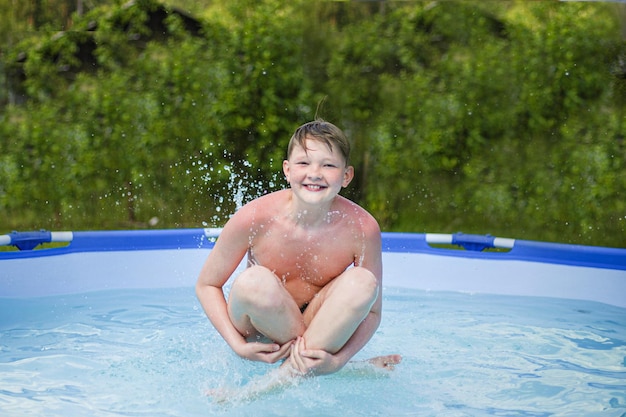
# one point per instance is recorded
(348, 174)
(286, 169)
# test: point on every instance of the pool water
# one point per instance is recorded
(153, 353)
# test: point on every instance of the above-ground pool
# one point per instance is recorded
(109, 325)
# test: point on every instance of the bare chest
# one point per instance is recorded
(313, 258)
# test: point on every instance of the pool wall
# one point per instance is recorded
(100, 260)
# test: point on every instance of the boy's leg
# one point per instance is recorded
(259, 303)
(339, 308)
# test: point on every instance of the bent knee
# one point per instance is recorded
(254, 278)
(255, 283)
(364, 278)
(361, 285)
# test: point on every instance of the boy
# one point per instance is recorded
(313, 282)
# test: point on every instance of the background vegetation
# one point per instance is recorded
(483, 117)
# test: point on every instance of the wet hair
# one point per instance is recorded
(322, 131)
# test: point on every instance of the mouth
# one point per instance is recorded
(313, 187)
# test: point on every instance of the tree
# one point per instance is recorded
(502, 117)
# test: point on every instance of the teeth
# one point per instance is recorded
(313, 187)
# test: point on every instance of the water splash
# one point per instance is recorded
(242, 187)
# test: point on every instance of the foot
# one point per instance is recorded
(385, 362)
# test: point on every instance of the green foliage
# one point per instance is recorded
(504, 118)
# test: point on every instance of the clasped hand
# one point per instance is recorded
(264, 352)
(312, 361)
(302, 360)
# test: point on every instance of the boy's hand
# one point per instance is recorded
(313, 361)
(264, 352)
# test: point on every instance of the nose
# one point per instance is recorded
(314, 172)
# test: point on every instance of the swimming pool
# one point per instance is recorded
(109, 325)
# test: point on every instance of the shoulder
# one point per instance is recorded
(266, 203)
(244, 223)
(358, 216)
(365, 233)
(256, 212)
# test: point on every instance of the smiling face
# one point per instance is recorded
(316, 174)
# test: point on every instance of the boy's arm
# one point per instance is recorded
(218, 267)
(371, 260)
(222, 261)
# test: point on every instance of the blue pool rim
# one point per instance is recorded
(427, 243)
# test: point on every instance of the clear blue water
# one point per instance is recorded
(153, 353)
